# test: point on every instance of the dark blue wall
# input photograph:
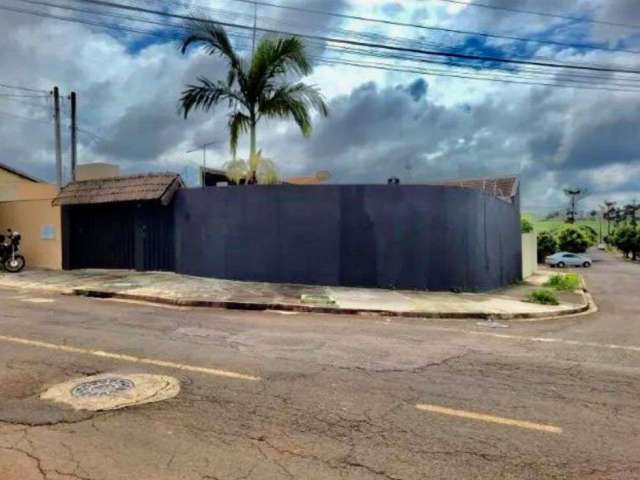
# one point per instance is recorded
(400, 236)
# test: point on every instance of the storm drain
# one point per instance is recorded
(103, 386)
(111, 392)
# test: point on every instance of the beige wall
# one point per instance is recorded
(529, 254)
(9, 177)
(26, 207)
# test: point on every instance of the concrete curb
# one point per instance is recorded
(261, 306)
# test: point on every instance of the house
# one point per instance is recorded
(25, 206)
(119, 222)
(462, 234)
(10, 175)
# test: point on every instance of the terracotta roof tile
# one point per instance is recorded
(503, 187)
(158, 186)
(303, 181)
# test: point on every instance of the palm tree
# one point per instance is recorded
(254, 90)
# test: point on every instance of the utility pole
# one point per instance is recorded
(575, 195)
(609, 212)
(56, 134)
(74, 136)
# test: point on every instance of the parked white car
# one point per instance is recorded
(567, 259)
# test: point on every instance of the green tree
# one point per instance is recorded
(627, 239)
(547, 245)
(256, 89)
(573, 239)
(525, 225)
(590, 232)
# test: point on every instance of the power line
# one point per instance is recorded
(12, 95)
(386, 40)
(471, 77)
(144, 32)
(16, 87)
(386, 67)
(542, 14)
(429, 28)
(463, 56)
(581, 82)
(569, 76)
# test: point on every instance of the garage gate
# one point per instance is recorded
(126, 235)
(119, 222)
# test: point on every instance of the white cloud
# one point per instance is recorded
(376, 128)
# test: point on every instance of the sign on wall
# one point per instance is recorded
(48, 232)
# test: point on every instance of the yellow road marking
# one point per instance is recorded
(489, 418)
(129, 358)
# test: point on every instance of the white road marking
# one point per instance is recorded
(483, 417)
(611, 346)
(38, 300)
(129, 358)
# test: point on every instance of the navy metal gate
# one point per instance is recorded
(127, 235)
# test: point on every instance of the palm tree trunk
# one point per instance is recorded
(252, 134)
(252, 150)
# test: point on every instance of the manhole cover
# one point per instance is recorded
(103, 386)
(113, 391)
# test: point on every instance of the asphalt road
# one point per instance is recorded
(333, 396)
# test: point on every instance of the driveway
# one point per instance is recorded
(615, 284)
(275, 395)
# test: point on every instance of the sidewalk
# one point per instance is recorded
(184, 290)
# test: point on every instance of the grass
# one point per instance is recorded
(557, 223)
(543, 297)
(568, 281)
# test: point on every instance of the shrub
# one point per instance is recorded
(543, 297)
(525, 225)
(569, 281)
(572, 239)
(547, 245)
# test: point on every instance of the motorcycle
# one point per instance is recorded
(9, 247)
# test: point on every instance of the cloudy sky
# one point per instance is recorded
(388, 116)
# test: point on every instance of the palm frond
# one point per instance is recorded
(238, 123)
(294, 100)
(214, 40)
(212, 37)
(274, 57)
(205, 95)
